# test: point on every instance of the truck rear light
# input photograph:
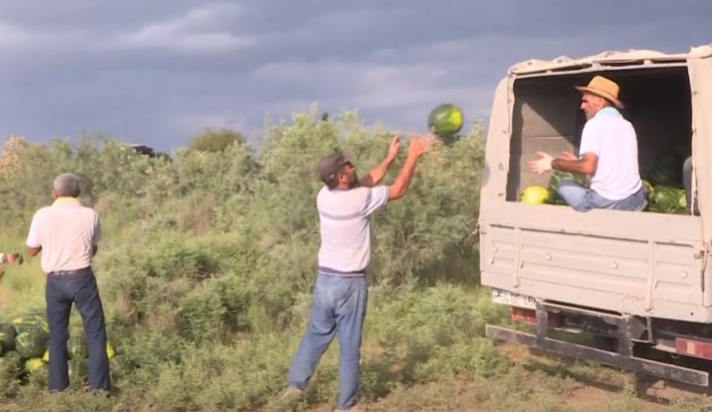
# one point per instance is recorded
(529, 316)
(694, 348)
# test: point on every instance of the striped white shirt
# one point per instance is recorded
(344, 216)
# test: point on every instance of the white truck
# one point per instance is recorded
(638, 281)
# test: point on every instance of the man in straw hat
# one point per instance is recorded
(608, 154)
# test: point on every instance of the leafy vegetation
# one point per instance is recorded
(208, 262)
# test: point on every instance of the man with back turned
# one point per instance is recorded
(67, 233)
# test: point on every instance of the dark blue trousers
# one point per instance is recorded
(62, 291)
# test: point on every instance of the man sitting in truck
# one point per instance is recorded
(608, 154)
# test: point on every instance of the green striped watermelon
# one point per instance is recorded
(649, 190)
(7, 336)
(445, 120)
(78, 370)
(77, 347)
(27, 322)
(31, 343)
(668, 199)
(557, 176)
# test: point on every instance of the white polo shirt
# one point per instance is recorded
(613, 140)
(66, 231)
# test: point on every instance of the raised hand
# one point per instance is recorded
(421, 144)
(394, 147)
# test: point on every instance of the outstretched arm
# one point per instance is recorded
(376, 175)
(418, 146)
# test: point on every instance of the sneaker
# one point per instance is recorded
(288, 401)
(353, 409)
(292, 394)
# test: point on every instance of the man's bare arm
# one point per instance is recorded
(417, 148)
(376, 175)
(33, 251)
(585, 165)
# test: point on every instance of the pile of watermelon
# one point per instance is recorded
(24, 353)
(663, 185)
(666, 193)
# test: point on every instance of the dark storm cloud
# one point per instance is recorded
(158, 71)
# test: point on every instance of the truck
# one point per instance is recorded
(637, 283)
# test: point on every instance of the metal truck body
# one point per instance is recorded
(640, 278)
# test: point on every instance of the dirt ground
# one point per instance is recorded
(553, 384)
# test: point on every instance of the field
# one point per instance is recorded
(208, 261)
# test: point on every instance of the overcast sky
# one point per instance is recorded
(158, 71)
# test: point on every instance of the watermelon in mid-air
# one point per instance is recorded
(445, 120)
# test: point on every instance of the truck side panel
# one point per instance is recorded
(639, 263)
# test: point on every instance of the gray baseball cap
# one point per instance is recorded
(330, 165)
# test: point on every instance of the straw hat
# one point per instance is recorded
(603, 87)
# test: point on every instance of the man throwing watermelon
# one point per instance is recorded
(608, 153)
(345, 205)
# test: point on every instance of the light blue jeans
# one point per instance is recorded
(583, 199)
(339, 306)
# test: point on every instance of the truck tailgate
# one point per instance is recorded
(637, 263)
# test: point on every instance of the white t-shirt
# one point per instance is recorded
(344, 217)
(613, 140)
(66, 231)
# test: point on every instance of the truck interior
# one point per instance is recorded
(547, 117)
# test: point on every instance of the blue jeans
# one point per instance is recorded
(61, 292)
(339, 306)
(583, 199)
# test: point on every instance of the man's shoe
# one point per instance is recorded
(292, 394)
(289, 399)
(353, 409)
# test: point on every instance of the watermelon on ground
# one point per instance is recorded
(110, 350)
(7, 336)
(445, 120)
(33, 364)
(78, 370)
(27, 322)
(10, 365)
(77, 347)
(31, 344)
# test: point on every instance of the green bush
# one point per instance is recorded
(209, 260)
